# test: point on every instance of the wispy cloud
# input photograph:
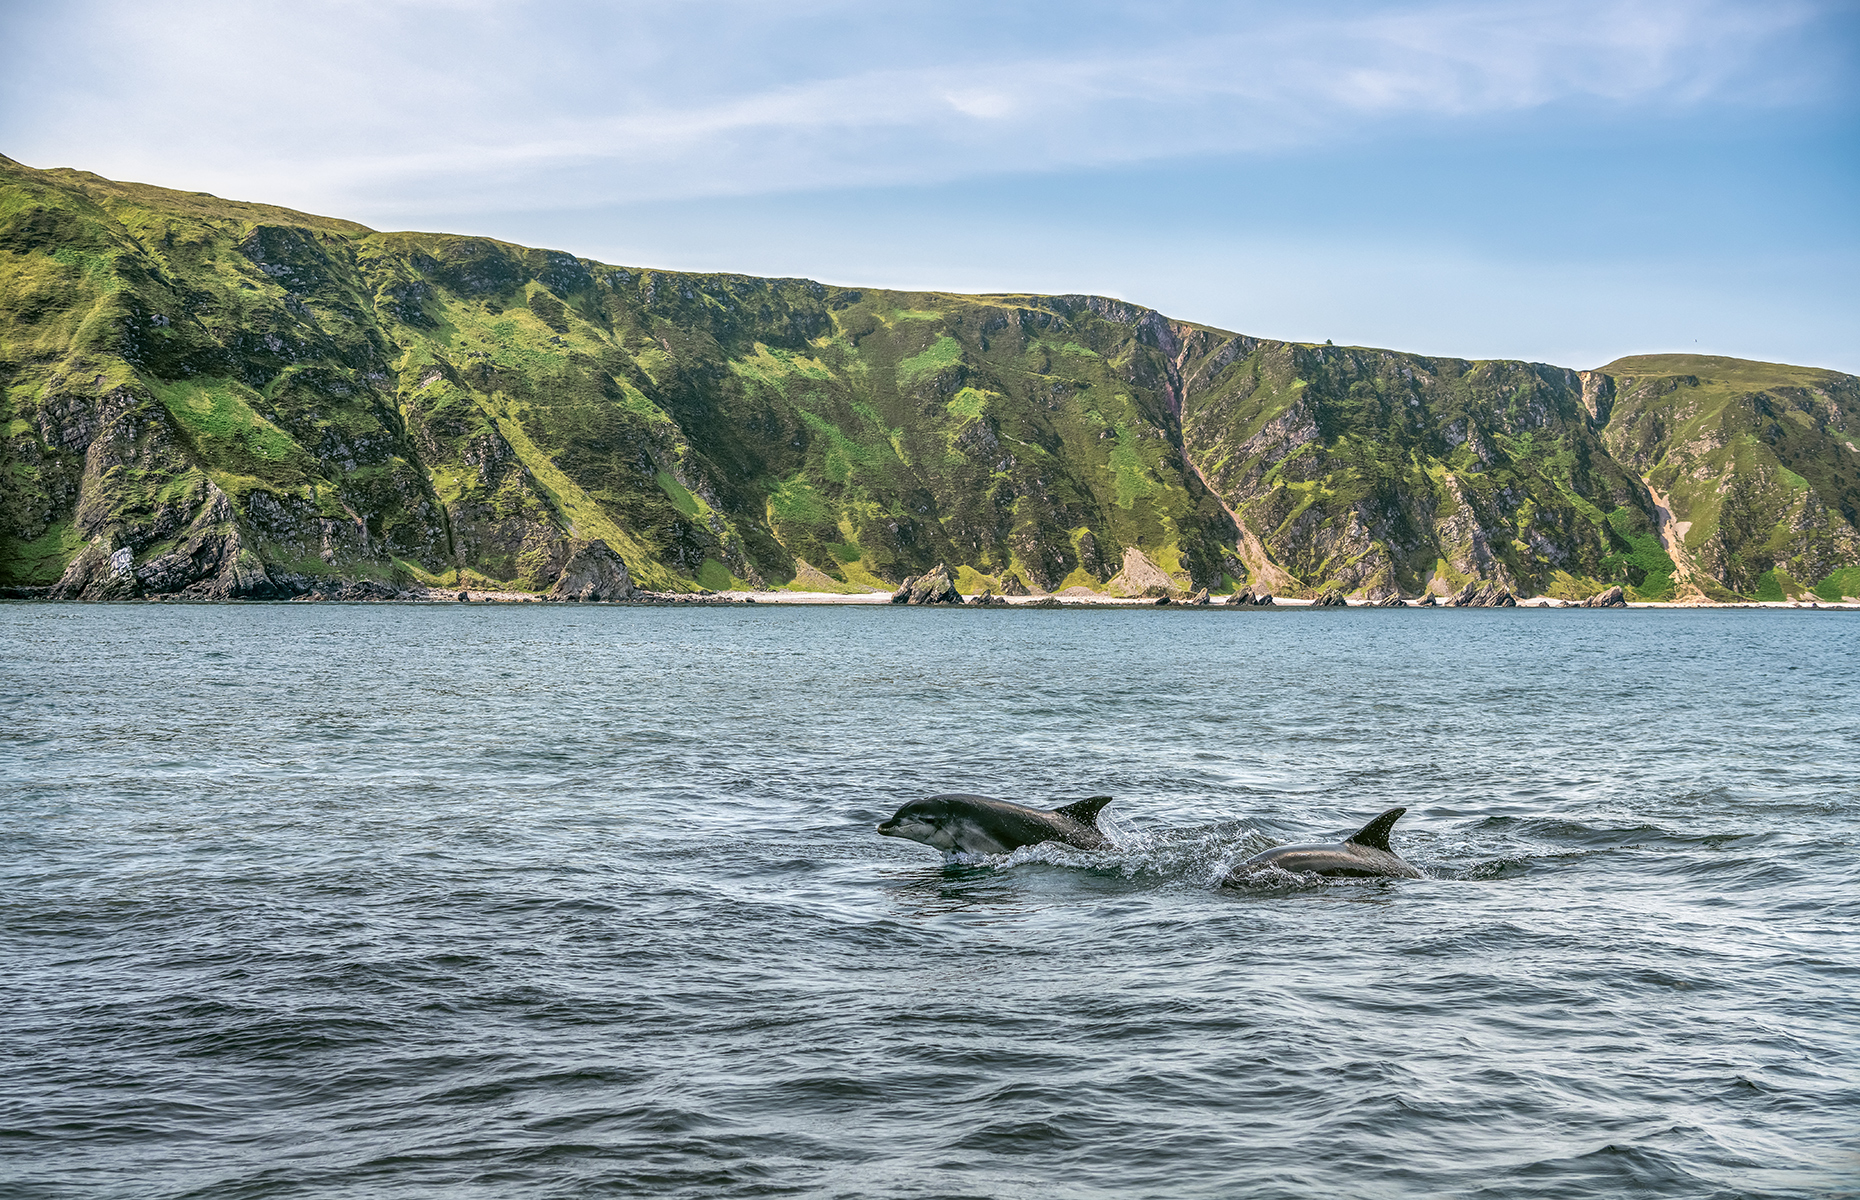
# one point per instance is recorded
(468, 103)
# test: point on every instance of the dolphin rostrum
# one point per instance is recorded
(1364, 853)
(979, 825)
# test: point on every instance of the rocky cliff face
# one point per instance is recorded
(218, 399)
(1757, 463)
(1392, 474)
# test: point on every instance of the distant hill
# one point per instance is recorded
(212, 398)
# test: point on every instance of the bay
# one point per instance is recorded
(362, 900)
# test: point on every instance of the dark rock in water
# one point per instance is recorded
(592, 572)
(1200, 597)
(1331, 599)
(1161, 600)
(988, 600)
(932, 587)
(1391, 601)
(464, 598)
(1426, 601)
(1045, 602)
(1243, 596)
(1262, 599)
(1614, 597)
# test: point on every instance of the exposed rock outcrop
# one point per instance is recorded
(593, 572)
(296, 404)
(932, 587)
(1483, 595)
(1141, 578)
(1614, 597)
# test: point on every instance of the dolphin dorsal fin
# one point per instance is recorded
(1085, 812)
(1375, 835)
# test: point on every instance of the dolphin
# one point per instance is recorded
(979, 825)
(1364, 853)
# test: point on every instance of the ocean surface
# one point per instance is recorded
(559, 900)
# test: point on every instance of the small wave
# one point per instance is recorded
(1202, 852)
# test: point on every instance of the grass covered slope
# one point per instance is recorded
(1393, 474)
(1757, 461)
(211, 398)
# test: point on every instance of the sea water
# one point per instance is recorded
(562, 900)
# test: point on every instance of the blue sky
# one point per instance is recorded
(1561, 181)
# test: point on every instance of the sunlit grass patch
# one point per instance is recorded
(939, 355)
(223, 423)
(1130, 475)
(1842, 583)
(773, 368)
(680, 496)
(1645, 556)
(844, 455)
(969, 403)
(795, 502)
(715, 576)
(41, 560)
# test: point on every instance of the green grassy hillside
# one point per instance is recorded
(1757, 460)
(1393, 474)
(205, 397)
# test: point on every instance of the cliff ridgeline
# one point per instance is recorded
(219, 399)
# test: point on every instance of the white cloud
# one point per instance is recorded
(387, 107)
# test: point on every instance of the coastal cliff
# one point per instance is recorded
(219, 399)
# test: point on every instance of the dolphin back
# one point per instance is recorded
(1375, 835)
(1085, 812)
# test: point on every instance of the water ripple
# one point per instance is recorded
(552, 900)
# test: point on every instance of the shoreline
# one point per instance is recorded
(784, 598)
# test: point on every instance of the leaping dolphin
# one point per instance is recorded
(1364, 853)
(980, 825)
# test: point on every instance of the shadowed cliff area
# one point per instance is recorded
(218, 399)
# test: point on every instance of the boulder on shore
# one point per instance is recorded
(593, 572)
(1200, 597)
(1331, 599)
(1243, 596)
(1614, 597)
(932, 587)
(1140, 577)
(1487, 595)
